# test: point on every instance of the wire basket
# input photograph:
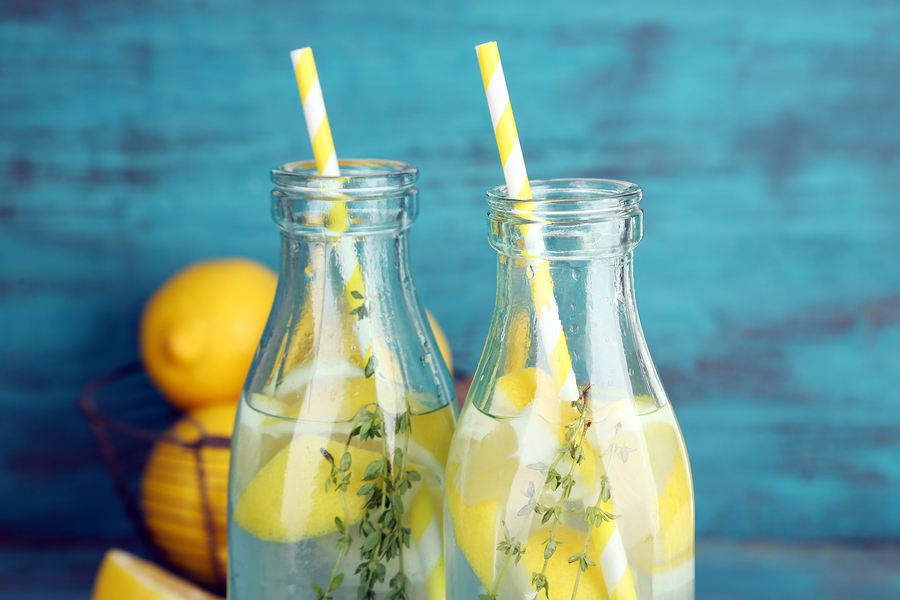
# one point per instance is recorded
(169, 473)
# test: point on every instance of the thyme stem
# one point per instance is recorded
(579, 426)
(493, 593)
(604, 485)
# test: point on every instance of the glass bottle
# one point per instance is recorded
(347, 392)
(583, 490)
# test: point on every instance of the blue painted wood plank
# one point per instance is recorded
(136, 137)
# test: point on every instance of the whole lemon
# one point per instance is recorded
(173, 500)
(200, 329)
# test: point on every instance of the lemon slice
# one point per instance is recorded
(123, 575)
(323, 371)
(475, 532)
(560, 572)
(514, 391)
(286, 500)
(434, 430)
(672, 477)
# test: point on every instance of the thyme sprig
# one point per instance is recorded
(510, 546)
(595, 515)
(573, 449)
(385, 481)
(340, 478)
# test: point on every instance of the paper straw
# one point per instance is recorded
(425, 526)
(314, 111)
(549, 326)
(614, 562)
(327, 165)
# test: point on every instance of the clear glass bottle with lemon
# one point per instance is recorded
(568, 476)
(344, 425)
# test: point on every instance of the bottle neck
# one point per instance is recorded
(328, 263)
(585, 249)
(346, 302)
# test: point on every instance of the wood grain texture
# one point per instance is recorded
(726, 570)
(136, 137)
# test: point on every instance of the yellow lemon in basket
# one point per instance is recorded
(187, 520)
(125, 576)
(200, 329)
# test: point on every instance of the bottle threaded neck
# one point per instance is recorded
(566, 219)
(379, 196)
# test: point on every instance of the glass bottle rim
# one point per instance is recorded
(363, 176)
(568, 200)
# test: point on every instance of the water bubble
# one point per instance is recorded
(576, 274)
(573, 328)
(573, 306)
(631, 372)
(608, 341)
(609, 383)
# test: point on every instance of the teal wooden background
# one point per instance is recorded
(136, 137)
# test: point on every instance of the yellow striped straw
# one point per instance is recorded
(327, 164)
(613, 563)
(314, 111)
(425, 528)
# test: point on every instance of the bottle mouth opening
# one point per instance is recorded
(562, 200)
(359, 177)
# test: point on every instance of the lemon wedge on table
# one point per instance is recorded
(123, 576)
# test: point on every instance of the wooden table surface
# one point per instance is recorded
(726, 570)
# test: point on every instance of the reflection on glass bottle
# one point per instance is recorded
(584, 494)
(344, 425)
